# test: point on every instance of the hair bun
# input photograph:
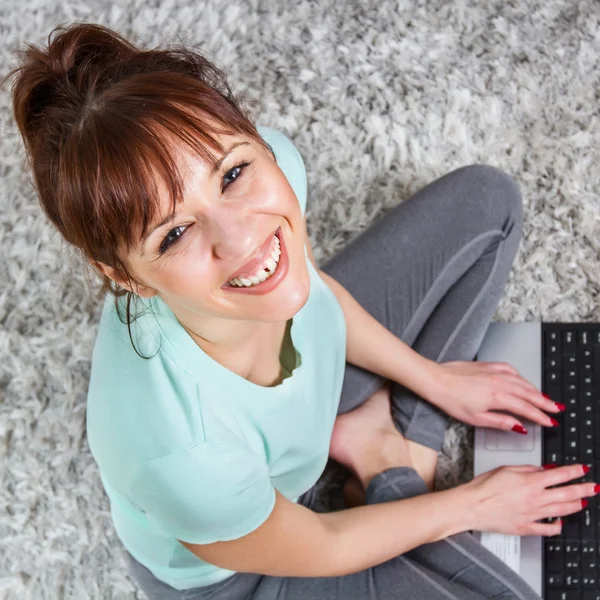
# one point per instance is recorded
(45, 73)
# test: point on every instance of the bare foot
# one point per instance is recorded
(366, 441)
(425, 461)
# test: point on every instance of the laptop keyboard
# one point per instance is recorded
(571, 376)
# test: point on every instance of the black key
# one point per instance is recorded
(553, 377)
(570, 432)
(569, 342)
(573, 582)
(588, 551)
(555, 392)
(570, 375)
(586, 383)
(554, 559)
(555, 581)
(570, 418)
(569, 388)
(570, 531)
(572, 550)
(552, 344)
(553, 362)
(587, 524)
(596, 358)
(589, 568)
(572, 566)
(562, 595)
(553, 439)
(572, 446)
(584, 338)
(587, 595)
(586, 446)
(589, 583)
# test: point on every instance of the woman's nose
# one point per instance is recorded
(236, 241)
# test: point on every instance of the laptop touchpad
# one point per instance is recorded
(496, 439)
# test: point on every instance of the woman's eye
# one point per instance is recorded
(175, 234)
(237, 170)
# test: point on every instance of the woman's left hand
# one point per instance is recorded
(472, 392)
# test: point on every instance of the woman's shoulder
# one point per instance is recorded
(137, 404)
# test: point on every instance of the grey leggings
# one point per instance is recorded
(432, 270)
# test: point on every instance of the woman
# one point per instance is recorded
(228, 366)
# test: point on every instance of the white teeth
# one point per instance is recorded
(260, 275)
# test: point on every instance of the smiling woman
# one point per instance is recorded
(213, 408)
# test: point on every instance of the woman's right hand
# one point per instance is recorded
(512, 499)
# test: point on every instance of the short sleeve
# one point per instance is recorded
(289, 161)
(207, 493)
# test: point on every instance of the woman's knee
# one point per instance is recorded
(498, 187)
(490, 194)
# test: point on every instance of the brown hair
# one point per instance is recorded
(91, 108)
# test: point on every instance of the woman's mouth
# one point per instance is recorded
(267, 276)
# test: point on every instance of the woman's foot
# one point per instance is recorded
(424, 460)
(366, 441)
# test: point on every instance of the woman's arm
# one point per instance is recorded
(297, 542)
(294, 541)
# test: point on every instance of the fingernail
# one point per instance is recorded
(553, 466)
(560, 406)
(586, 469)
(546, 396)
(584, 503)
(596, 489)
(554, 422)
(519, 429)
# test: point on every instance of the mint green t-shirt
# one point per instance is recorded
(186, 448)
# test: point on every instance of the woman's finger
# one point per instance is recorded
(500, 366)
(532, 395)
(525, 468)
(569, 493)
(518, 379)
(562, 509)
(523, 408)
(497, 420)
(551, 477)
(545, 529)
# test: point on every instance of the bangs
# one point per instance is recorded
(126, 143)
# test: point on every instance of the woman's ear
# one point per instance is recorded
(119, 277)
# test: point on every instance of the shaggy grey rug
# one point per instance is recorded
(381, 97)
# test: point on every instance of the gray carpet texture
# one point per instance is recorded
(380, 97)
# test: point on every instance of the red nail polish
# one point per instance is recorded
(554, 422)
(586, 469)
(596, 489)
(546, 396)
(584, 503)
(519, 429)
(560, 406)
(553, 466)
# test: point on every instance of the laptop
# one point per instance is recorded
(563, 361)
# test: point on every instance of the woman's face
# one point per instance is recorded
(226, 219)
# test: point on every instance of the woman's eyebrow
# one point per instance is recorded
(220, 161)
(213, 172)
